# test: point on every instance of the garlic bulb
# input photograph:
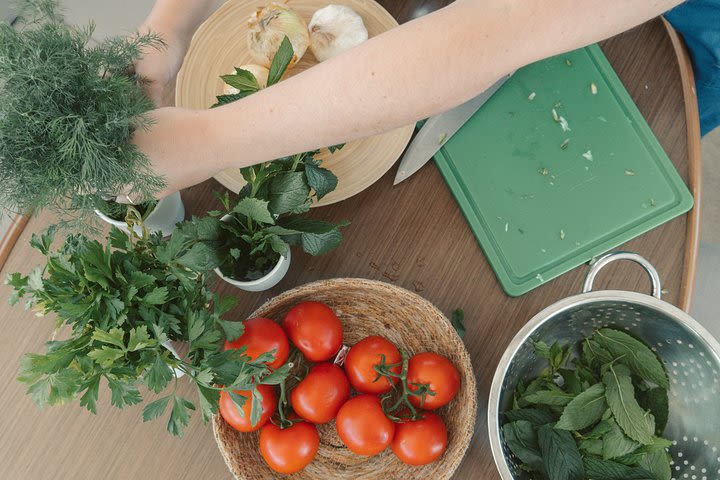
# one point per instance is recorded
(334, 29)
(260, 73)
(268, 27)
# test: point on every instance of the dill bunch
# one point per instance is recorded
(67, 111)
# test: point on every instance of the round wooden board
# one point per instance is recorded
(220, 44)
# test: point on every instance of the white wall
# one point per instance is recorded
(6, 14)
(111, 17)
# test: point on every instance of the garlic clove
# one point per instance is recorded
(335, 29)
(259, 72)
(269, 25)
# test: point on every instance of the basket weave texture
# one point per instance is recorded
(367, 307)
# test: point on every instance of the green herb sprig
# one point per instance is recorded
(67, 111)
(122, 302)
(120, 211)
(266, 219)
(600, 419)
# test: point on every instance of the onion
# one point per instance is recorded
(335, 29)
(269, 25)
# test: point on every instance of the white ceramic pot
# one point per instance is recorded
(168, 212)
(168, 345)
(264, 283)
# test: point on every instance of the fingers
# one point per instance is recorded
(124, 199)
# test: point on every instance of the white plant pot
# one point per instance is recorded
(264, 283)
(168, 212)
(168, 345)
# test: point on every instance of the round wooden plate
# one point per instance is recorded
(367, 307)
(220, 44)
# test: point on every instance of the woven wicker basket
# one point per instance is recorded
(365, 308)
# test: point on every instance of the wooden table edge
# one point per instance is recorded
(10, 238)
(692, 120)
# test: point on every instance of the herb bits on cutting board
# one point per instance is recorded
(559, 166)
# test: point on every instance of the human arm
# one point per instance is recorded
(419, 69)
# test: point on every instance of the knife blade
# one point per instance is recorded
(438, 129)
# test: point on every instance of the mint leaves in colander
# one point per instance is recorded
(596, 412)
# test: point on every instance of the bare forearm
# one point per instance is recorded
(420, 69)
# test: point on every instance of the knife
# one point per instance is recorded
(438, 129)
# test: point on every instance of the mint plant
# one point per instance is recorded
(266, 220)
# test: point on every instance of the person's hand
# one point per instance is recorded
(159, 66)
(172, 142)
(175, 21)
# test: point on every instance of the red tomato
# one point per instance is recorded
(263, 335)
(363, 426)
(439, 372)
(290, 449)
(361, 359)
(319, 396)
(314, 329)
(242, 423)
(420, 442)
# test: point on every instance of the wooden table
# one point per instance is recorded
(412, 235)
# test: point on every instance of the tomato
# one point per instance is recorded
(314, 329)
(263, 335)
(361, 359)
(319, 396)
(439, 372)
(242, 423)
(419, 442)
(363, 426)
(289, 450)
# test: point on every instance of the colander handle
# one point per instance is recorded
(598, 263)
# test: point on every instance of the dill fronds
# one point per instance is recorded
(67, 111)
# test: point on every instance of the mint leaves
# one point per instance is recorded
(521, 438)
(584, 410)
(634, 354)
(594, 412)
(280, 62)
(246, 83)
(265, 221)
(561, 456)
(635, 422)
(598, 469)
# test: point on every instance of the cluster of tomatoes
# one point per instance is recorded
(393, 407)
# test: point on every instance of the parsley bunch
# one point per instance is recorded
(122, 302)
(67, 111)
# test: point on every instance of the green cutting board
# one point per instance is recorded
(542, 200)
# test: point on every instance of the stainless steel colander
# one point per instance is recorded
(690, 354)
